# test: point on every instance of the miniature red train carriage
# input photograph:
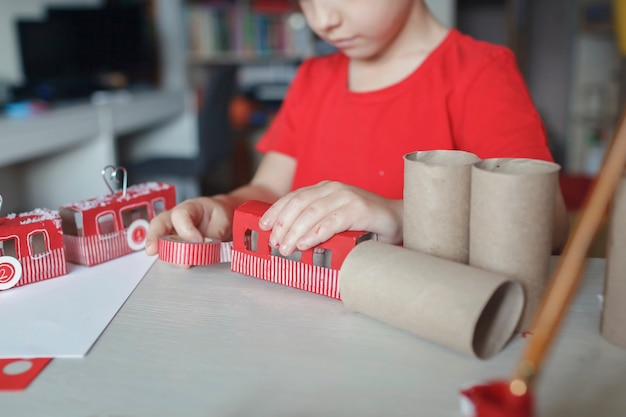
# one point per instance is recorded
(31, 248)
(315, 270)
(99, 229)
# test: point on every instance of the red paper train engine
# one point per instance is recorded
(35, 246)
(31, 248)
(314, 270)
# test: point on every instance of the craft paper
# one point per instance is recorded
(511, 222)
(613, 325)
(466, 309)
(437, 203)
(63, 317)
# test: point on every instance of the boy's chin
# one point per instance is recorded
(359, 55)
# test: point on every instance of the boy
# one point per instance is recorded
(333, 156)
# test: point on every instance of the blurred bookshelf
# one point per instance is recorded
(264, 41)
(242, 31)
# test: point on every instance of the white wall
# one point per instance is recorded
(593, 109)
(11, 190)
(444, 10)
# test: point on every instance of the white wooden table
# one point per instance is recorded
(208, 342)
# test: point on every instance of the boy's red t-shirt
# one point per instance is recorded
(467, 95)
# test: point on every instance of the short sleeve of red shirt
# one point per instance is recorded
(467, 95)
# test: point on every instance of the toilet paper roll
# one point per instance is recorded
(613, 324)
(511, 223)
(472, 311)
(437, 202)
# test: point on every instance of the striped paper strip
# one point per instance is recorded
(312, 278)
(41, 267)
(176, 251)
(226, 249)
(93, 250)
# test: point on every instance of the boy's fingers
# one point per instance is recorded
(293, 202)
(159, 226)
(175, 221)
(285, 212)
(338, 219)
(184, 225)
(268, 220)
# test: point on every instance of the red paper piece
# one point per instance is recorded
(495, 399)
(17, 374)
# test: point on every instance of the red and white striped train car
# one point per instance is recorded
(31, 248)
(99, 229)
(315, 270)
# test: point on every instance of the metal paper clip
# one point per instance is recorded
(110, 174)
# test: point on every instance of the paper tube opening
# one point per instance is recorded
(449, 303)
(517, 166)
(442, 157)
(498, 320)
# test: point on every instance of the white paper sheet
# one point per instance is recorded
(64, 316)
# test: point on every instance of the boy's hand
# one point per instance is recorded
(192, 220)
(311, 215)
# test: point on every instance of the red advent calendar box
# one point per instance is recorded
(314, 270)
(99, 229)
(31, 248)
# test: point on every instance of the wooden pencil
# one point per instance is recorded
(567, 275)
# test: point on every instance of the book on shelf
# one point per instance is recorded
(255, 28)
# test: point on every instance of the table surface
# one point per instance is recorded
(209, 342)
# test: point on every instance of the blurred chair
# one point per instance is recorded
(215, 140)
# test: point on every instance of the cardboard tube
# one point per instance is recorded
(613, 324)
(437, 203)
(466, 309)
(512, 221)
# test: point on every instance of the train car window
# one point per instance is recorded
(8, 247)
(135, 213)
(158, 206)
(250, 240)
(37, 244)
(106, 224)
(322, 257)
(71, 222)
(296, 256)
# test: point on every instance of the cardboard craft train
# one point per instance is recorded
(315, 270)
(34, 246)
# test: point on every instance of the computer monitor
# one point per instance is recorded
(74, 51)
